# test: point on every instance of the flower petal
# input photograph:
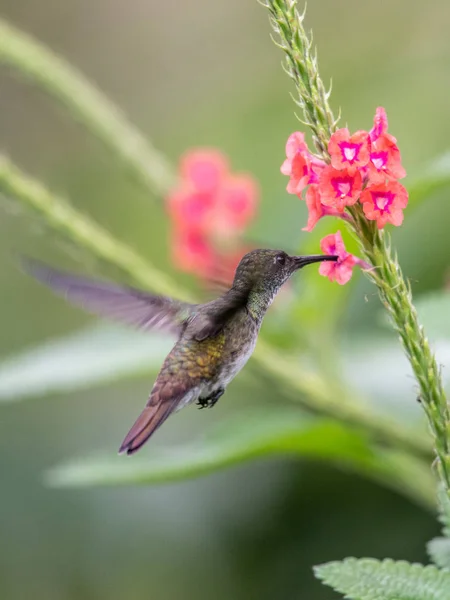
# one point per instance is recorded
(340, 271)
(380, 124)
(236, 204)
(339, 189)
(384, 203)
(204, 169)
(349, 151)
(191, 252)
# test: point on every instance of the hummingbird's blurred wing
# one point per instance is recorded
(210, 320)
(124, 304)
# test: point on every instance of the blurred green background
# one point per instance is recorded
(192, 74)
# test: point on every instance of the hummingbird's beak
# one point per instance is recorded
(301, 261)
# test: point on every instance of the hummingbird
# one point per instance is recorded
(214, 340)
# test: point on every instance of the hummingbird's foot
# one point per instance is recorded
(211, 400)
(202, 402)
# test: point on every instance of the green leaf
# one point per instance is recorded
(434, 177)
(248, 435)
(439, 551)
(370, 579)
(376, 365)
(80, 360)
(439, 548)
(254, 434)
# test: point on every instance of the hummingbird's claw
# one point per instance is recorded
(211, 400)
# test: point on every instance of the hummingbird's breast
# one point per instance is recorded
(241, 335)
(204, 366)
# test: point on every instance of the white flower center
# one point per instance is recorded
(382, 202)
(349, 153)
(344, 189)
(378, 162)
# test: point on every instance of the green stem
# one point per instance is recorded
(394, 290)
(320, 397)
(89, 106)
(80, 229)
(316, 393)
(301, 66)
(395, 293)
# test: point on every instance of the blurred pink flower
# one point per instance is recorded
(210, 209)
(191, 252)
(236, 204)
(204, 169)
(190, 207)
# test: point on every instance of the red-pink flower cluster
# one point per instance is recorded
(210, 209)
(364, 168)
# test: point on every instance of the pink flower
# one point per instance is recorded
(385, 160)
(380, 124)
(339, 189)
(191, 252)
(340, 271)
(349, 151)
(204, 169)
(300, 165)
(189, 207)
(317, 210)
(209, 210)
(236, 204)
(384, 203)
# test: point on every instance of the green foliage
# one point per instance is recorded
(439, 551)
(439, 548)
(395, 391)
(250, 434)
(91, 357)
(370, 579)
(434, 177)
(35, 62)
(267, 431)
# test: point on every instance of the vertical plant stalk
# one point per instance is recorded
(301, 65)
(395, 292)
(89, 106)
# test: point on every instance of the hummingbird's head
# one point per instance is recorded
(267, 270)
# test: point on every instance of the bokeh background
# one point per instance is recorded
(191, 74)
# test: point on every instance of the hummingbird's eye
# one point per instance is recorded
(280, 258)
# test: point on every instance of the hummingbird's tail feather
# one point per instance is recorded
(147, 423)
